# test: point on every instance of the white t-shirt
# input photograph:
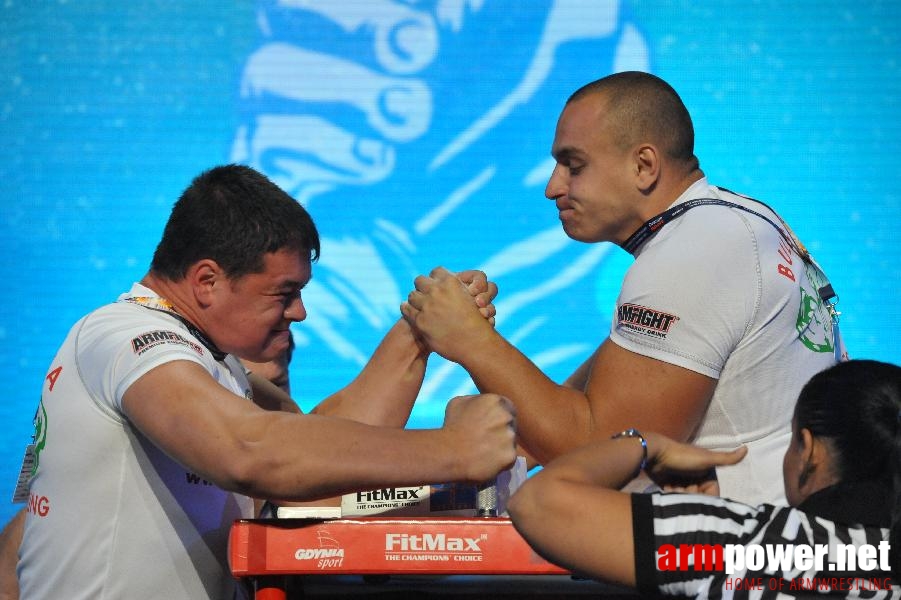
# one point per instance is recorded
(719, 291)
(110, 515)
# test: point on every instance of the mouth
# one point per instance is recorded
(565, 210)
(281, 335)
(563, 205)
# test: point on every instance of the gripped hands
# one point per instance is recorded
(449, 311)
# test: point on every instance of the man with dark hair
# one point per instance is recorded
(151, 440)
(719, 321)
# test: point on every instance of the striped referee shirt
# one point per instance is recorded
(685, 544)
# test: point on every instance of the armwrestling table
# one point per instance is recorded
(479, 554)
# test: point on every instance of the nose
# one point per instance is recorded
(296, 311)
(556, 185)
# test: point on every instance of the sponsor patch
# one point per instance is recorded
(644, 320)
(151, 339)
(329, 554)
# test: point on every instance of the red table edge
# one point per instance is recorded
(255, 543)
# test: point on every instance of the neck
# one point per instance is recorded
(176, 293)
(821, 469)
(666, 193)
(657, 199)
(180, 301)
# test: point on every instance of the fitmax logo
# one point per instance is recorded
(427, 542)
(388, 494)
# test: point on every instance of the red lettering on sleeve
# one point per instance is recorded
(53, 375)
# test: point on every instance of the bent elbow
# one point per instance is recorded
(525, 505)
(244, 471)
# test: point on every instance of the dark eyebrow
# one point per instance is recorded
(291, 285)
(566, 153)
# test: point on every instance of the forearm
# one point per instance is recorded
(610, 463)
(269, 396)
(572, 513)
(10, 540)
(386, 389)
(551, 419)
(606, 463)
(286, 462)
(272, 454)
(286, 459)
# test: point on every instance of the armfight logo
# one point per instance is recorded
(151, 339)
(644, 320)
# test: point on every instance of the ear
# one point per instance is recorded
(816, 455)
(808, 443)
(646, 159)
(823, 456)
(204, 276)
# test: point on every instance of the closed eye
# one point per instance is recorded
(289, 297)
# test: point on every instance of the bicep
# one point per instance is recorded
(626, 389)
(181, 409)
(579, 379)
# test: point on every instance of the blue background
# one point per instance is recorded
(417, 133)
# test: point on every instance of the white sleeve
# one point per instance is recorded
(692, 293)
(119, 344)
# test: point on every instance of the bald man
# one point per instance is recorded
(719, 320)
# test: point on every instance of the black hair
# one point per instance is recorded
(233, 215)
(643, 107)
(856, 405)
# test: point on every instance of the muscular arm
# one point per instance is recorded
(10, 540)
(578, 380)
(621, 389)
(385, 390)
(624, 390)
(268, 454)
(572, 513)
(269, 396)
(382, 394)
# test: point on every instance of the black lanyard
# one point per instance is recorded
(654, 224)
(164, 306)
(826, 292)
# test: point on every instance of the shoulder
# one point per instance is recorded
(120, 342)
(700, 252)
(728, 222)
(116, 315)
(125, 325)
(708, 240)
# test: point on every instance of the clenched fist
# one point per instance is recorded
(482, 428)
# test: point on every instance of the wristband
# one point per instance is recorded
(634, 433)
